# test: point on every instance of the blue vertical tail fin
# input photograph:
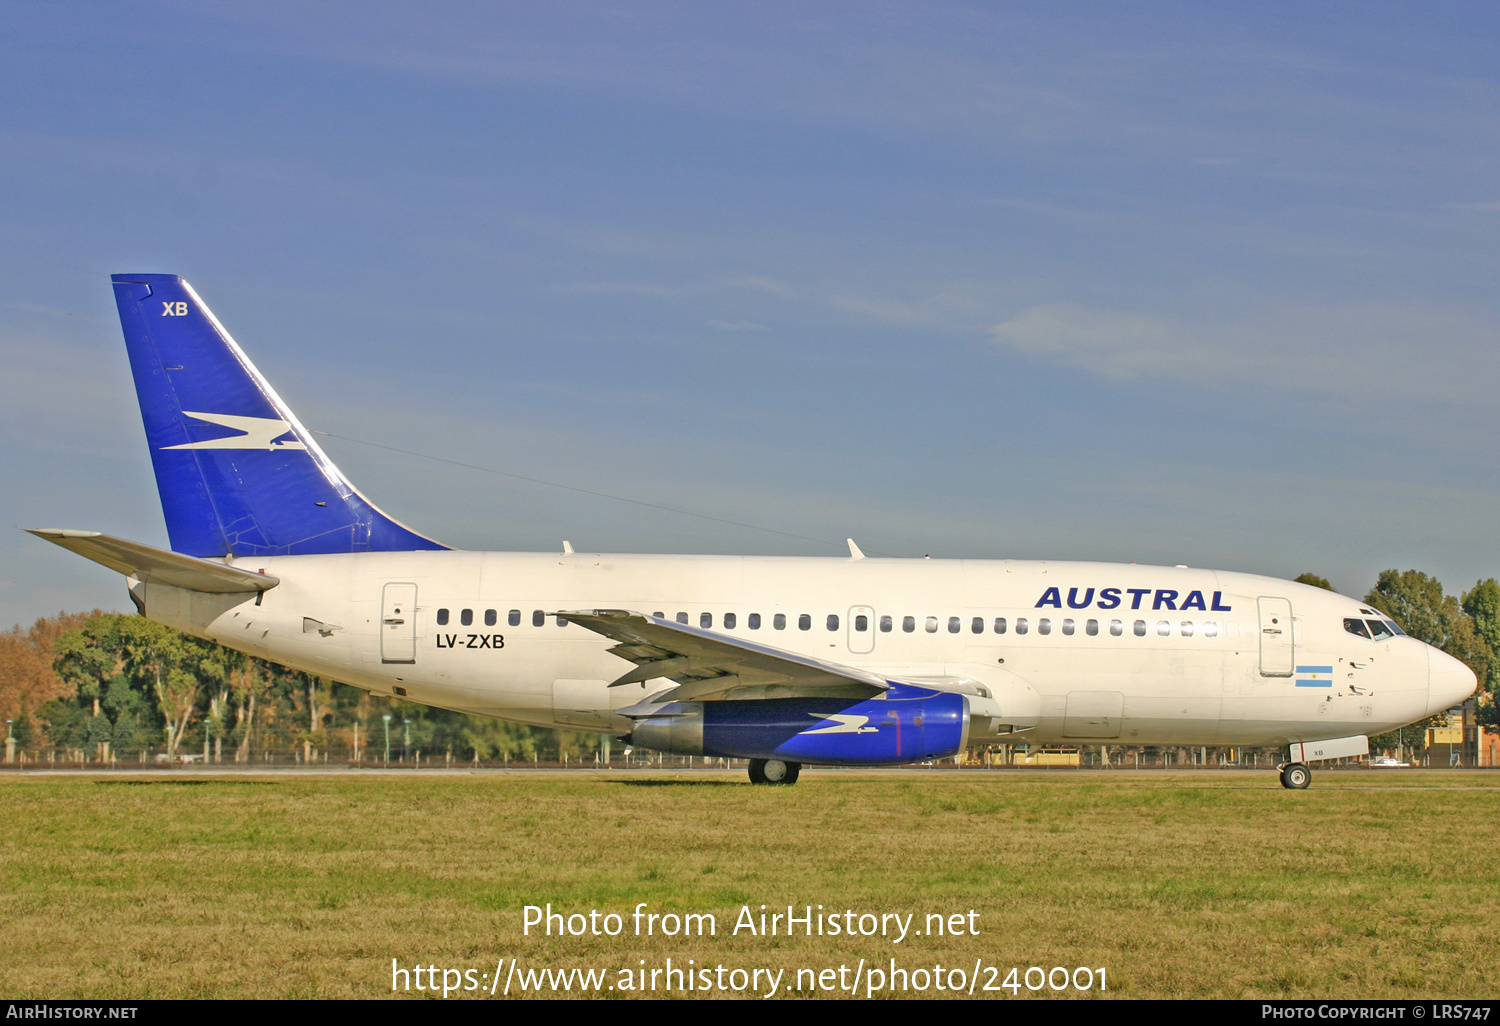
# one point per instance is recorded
(237, 472)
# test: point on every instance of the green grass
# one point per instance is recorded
(1180, 884)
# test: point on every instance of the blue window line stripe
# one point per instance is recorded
(1315, 683)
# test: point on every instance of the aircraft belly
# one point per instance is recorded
(546, 683)
(1171, 718)
(1122, 697)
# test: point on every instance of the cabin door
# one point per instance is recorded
(398, 624)
(1277, 656)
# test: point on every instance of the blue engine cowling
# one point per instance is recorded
(904, 724)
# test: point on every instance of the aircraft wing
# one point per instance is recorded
(158, 566)
(708, 666)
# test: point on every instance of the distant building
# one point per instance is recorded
(1484, 742)
(1046, 757)
(1460, 740)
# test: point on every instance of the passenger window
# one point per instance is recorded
(706, 620)
(804, 622)
(729, 621)
(779, 621)
(1354, 626)
(1140, 628)
(466, 617)
(682, 618)
(538, 618)
(1163, 628)
(1187, 628)
(1021, 625)
(659, 614)
(1116, 628)
(1210, 630)
(861, 623)
(442, 617)
(1379, 631)
(753, 621)
(908, 624)
(885, 625)
(977, 625)
(1067, 626)
(931, 625)
(1091, 628)
(955, 624)
(999, 625)
(1044, 626)
(514, 618)
(561, 622)
(489, 618)
(833, 621)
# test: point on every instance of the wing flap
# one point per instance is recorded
(707, 666)
(158, 566)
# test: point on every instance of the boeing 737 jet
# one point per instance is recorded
(781, 661)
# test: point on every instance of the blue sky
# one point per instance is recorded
(1176, 283)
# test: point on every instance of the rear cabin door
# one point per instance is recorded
(398, 624)
(1277, 656)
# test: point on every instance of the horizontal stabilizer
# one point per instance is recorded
(158, 566)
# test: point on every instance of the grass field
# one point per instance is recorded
(1207, 884)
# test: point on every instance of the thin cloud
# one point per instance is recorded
(620, 288)
(1367, 351)
(960, 306)
(759, 284)
(888, 311)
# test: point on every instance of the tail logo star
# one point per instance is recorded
(255, 433)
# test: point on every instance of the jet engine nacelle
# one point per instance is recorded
(904, 724)
(1001, 704)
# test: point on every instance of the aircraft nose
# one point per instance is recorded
(1449, 681)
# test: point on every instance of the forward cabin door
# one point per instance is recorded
(398, 624)
(1277, 656)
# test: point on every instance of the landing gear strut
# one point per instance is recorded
(774, 771)
(1295, 776)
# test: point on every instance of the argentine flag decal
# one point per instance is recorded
(1315, 676)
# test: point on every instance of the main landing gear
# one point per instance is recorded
(774, 771)
(1295, 776)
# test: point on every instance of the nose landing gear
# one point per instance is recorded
(1295, 776)
(774, 771)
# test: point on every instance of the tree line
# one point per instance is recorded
(92, 686)
(109, 686)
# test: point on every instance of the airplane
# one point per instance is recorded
(783, 661)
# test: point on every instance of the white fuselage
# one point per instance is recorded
(1110, 653)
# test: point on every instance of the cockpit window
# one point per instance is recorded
(1379, 631)
(1354, 626)
(1394, 626)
